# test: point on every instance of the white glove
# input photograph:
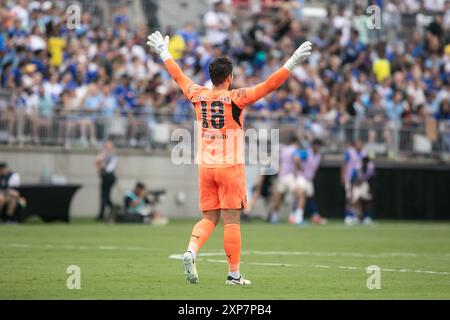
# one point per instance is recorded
(299, 55)
(160, 45)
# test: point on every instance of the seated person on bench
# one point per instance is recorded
(139, 208)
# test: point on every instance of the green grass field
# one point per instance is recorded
(283, 261)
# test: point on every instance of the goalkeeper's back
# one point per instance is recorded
(219, 110)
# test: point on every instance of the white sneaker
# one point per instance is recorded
(190, 270)
(273, 218)
(236, 282)
(367, 220)
(350, 221)
(162, 221)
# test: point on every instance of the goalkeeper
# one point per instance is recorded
(220, 155)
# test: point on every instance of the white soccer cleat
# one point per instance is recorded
(367, 221)
(190, 270)
(237, 282)
(351, 221)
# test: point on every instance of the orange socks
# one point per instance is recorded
(232, 246)
(231, 241)
(201, 232)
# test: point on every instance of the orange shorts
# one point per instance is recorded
(222, 188)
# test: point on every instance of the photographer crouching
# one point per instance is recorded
(140, 208)
(10, 200)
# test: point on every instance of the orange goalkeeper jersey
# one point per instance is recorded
(220, 135)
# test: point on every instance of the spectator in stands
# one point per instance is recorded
(444, 111)
(395, 108)
(45, 112)
(106, 164)
(121, 17)
(353, 52)
(446, 19)
(109, 105)
(56, 45)
(341, 22)
(217, 22)
(434, 6)
(71, 99)
(36, 47)
(359, 23)
(10, 198)
(52, 87)
(376, 117)
(91, 104)
(177, 45)
(381, 65)
(191, 38)
(392, 19)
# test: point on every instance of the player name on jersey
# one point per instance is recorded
(211, 98)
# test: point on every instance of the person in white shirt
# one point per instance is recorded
(218, 23)
(36, 40)
(342, 22)
(434, 5)
(21, 13)
(409, 6)
(447, 17)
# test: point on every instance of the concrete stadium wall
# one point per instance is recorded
(156, 170)
(414, 190)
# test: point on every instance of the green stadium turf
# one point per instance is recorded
(283, 261)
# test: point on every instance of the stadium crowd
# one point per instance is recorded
(92, 72)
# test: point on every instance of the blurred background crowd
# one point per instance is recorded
(81, 81)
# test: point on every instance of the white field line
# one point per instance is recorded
(252, 252)
(389, 228)
(317, 266)
(74, 247)
(445, 226)
(380, 255)
(351, 254)
(375, 227)
(263, 253)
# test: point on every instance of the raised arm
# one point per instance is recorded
(161, 46)
(183, 81)
(246, 96)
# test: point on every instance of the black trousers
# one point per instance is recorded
(107, 182)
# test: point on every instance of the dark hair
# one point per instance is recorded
(366, 159)
(3, 165)
(357, 140)
(293, 139)
(317, 141)
(140, 185)
(219, 70)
